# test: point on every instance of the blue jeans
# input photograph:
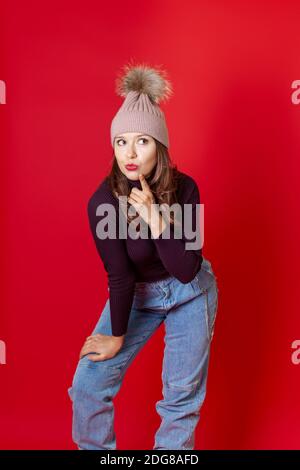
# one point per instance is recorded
(188, 312)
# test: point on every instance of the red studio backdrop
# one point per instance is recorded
(234, 122)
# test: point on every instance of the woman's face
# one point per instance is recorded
(136, 149)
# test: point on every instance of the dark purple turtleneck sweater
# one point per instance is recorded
(128, 261)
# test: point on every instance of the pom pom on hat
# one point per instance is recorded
(144, 79)
(143, 88)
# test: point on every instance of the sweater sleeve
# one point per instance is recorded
(181, 262)
(121, 277)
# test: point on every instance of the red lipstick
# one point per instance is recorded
(131, 167)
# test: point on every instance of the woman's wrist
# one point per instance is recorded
(157, 224)
(119, 339)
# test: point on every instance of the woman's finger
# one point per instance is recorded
(92, 340)
(133, 203)
(89, 340)
(136, 198)
(96, 357)
(88, 348)
(144, 183)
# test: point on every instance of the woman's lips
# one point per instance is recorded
(131, 167)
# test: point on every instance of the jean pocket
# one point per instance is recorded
(204, 279)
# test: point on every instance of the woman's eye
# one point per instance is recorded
(122, 140)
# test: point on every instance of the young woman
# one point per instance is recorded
(154, 276)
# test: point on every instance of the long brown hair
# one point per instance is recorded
(163, 180)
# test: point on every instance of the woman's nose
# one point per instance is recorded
(131, 154)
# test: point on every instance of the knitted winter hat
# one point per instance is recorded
(143, 88)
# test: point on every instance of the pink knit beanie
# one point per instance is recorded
(143, 88)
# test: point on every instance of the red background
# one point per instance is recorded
(232, 126)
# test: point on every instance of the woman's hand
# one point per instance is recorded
(142, 200)
(105, 346)
(144, 203)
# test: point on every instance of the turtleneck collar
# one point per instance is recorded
(134, 183)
